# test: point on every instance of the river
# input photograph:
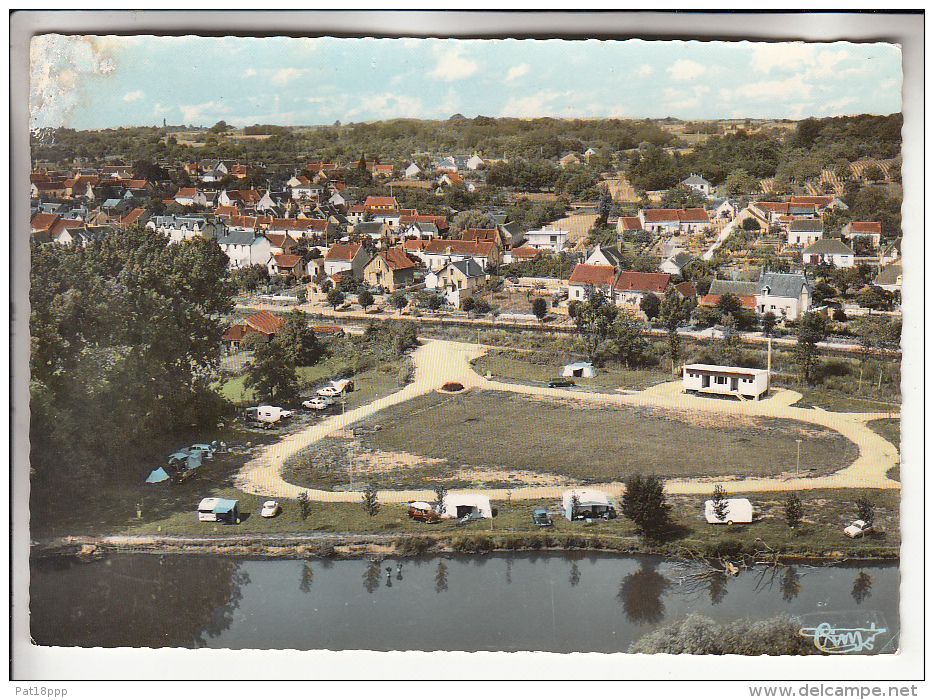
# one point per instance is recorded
(559, 602)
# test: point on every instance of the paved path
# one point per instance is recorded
(440, 361)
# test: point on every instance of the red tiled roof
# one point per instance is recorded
(686, 289)
(396, 259)
(342, 251)
(479, 234)
(279, 239)
(286, 260)
(748, 302)
(440, 221)
(236, 332)
(865, 227)
(693, 215)
(643, 281)
(186, 192)
(819, 200)
(631, 223)
(227, 211)
(303, 224)
(439, 246)
(773, 206)
(593, 274)
(525, 252)
(43, 222)
(374, 201)
(655, 215)
(133, 215)
(414, 244)
(264, 322)
(244, 221)
(61, 224)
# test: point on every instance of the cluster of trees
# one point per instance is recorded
(125, 336)
(609, 331)
(272, 373)
(544, 264)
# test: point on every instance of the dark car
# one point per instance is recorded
(560, 381)
(541, 518)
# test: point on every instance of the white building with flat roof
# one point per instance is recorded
(742, 382)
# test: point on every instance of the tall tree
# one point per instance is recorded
(298, 340)
(812, 328)
(370, 500)
(271, 374)
(594, 320)
(794, 511)
(645, 503)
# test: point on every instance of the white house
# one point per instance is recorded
(731, 381)
(192, 196)
(787, 295)
(245, 249)
(177, 228)
(457, 279)
(585, 278)
(698, 184)
(412, 171)
(554, 239)
(804, 232)
(828, 251)
(870, 230)
(590, 503)
(344, 257)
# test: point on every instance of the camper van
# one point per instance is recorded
(266, 415)
(219, 510)
(738, 510)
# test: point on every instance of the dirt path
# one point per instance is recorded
(440, 361)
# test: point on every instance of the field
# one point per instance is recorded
(502, 438)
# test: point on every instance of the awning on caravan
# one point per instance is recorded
(457, 505)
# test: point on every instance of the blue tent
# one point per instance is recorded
(158, 474)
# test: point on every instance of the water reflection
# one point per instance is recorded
(575, 576)
(371, 576)
(717, 590)
(641, 595)
(862, 587)
(307, 578)
(441, 576)
(791, 584)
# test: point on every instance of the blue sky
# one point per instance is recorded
(108, 81)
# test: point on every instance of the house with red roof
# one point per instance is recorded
(281, 242)
(436, 253)
(865, 230)
(262, 322)
(375, 203)
(630, 287)
(586, 279)
(390, 268)
(300, 227)
(346, 257)
(286, 265)
(678, 221)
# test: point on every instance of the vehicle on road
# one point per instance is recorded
(423, 512)
(317, 403)
(541, 518)
(270, 509)
(267, 416)
(857, 528)
(329, 391)
(560, 381)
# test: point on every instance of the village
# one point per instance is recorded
(721, 271)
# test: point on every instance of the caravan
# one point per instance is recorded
(219, 510)
(738, 510)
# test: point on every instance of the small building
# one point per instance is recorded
(554, 239)
(578, 369)
(804, 232)
(867, 230)
(390, 269)
(457, 279)
(698, 184)
(828, 251)
(460, 505)
(590, 503)
(730, 381)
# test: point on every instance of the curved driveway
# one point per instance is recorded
(441, 361)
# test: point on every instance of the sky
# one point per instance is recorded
(86, 82)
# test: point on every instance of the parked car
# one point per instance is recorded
(317, 403)
(560, 381)
(207, 452)
(423, 512)
(857, 528)
(270, 509)
(541, 518)
(328, 391)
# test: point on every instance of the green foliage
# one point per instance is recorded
(124, 343)
(304, 505)
(650, 305)
(365, 299)
(697, 634)
(594, 319)
(335, 297)
(482, 306)
(812, 328)
(540, 308)
(271, 374)
(720, 505)
(298, 340)
(544, 264)
(370, 500)
(468, 303)
(628, 335)
(399, 300)
(768, 322)
(865, 509)
(645, 503)
(794, 511)
(414, 545)
(751, 224)
(875, 298)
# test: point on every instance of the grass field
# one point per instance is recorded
(844, 403)
(531, 367)
(826, 512)
(591, 443)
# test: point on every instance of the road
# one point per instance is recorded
(724, 234)
(440, 361)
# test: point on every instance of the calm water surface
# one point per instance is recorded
(547, 602)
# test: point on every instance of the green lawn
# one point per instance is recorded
(533, 367)
(845, 403)
(592, 443)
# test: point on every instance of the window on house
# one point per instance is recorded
(720, 380)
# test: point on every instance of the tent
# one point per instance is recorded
(591, 504)
(158, 474)
(224, 510)
(458, 505)
(578, 369)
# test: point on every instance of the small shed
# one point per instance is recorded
(459, 505)
(590, 504)
(578, 369)
(742, 382)
(220, 510)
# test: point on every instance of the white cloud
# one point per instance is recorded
(386, 106)
(835, 107)
(248, 73)
(317, 99)
(285, 75)
(686, 70)
(453, 65)
(644, 70)
(131, 96)
(193, 114)
(517, 71)
(537, 105)
(794, 86)
(787, 55)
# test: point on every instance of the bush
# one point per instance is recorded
(414, 545)
(725, 548)
(467, 543)
(324, 549)
(573, 542)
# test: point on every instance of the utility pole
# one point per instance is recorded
(798, 461)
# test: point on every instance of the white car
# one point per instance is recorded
(329, 391)
(857, 528)
(270, 509)
(318, 403)
(207, 452)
